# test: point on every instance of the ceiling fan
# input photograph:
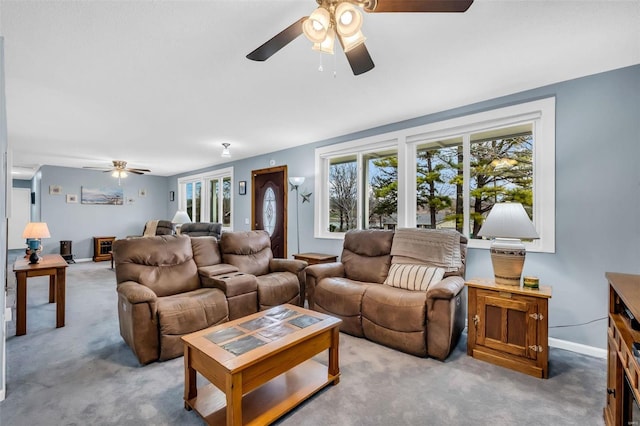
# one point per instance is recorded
(120, 169)
(341, 19)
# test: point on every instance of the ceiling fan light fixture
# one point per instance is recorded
(326, 46)
(351, 42)
(225, 150)
(315, 27)
(348, 19)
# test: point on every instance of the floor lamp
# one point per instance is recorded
(295, 183)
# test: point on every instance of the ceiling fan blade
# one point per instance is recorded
(279, 41)
(380, 6)
(138, 170)
(359, 59)
(135, 172)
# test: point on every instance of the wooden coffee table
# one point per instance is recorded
(262, 363)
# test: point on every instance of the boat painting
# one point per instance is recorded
(114, 196)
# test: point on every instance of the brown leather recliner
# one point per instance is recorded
(414, 321)
(279, 280)
(160, 295)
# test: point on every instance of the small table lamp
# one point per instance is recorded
(179, 218)
(508, 223)
(33, 232)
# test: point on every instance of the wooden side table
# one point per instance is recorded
(508, 326)
(55, 267)
(315, 258)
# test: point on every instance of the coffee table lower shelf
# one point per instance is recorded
(268, 402)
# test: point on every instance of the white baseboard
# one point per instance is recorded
(88, 259)
(577, 347)
(2, 395)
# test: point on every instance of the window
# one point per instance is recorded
(362, 188)
(443, 175)
(207, 197)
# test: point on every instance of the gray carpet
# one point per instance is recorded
(84, 374)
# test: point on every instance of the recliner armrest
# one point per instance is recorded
(206, 273)
(136, 293)
(323, 270)
(287, 265)
(446, 289)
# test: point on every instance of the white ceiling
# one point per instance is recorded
(162, 84)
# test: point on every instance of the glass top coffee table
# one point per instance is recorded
(261, 363)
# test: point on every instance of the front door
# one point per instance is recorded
(268, 202)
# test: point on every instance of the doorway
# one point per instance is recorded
(20, 214)
(269, 206)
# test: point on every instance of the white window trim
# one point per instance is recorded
(203, 178)
(540, 112)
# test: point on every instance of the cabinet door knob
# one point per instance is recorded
(611, 392)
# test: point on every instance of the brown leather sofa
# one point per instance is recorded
(419, 322)
(169, 286)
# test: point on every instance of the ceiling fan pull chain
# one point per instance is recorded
(320, 68)
(335, 73)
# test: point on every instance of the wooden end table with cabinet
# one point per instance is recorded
(102, 247)
(508, 326)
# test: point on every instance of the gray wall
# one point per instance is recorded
(81, 222)
(597, 195)
(597, 198)
(3, 221)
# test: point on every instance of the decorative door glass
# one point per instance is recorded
(269, 211)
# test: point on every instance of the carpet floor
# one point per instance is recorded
(84, 374)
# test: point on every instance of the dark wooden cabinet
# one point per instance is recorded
(102, 247)
(623, 367)
(508, 326)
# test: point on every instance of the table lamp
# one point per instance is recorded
(508, 223)
(179, 218)
(33, 232)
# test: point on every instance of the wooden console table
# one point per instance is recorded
(55, 267)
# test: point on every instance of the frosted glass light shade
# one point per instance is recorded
(296, 181)
(348, 19)
(351, 42)
(326, 46)
(316, 26)
(36, 230)
(508, 220)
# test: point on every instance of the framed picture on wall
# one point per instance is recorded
(242, 187)
(172, 195)
(72, 198)
(142, 193)
(55, 189)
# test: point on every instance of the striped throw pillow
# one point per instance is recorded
(413, 277)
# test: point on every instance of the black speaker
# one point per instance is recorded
(65, 251)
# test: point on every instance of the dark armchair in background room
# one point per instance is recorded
(201, 229)
(157, 227)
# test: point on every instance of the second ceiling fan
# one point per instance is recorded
(342, 19)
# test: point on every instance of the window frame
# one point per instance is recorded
(204, 179)
(541, 113)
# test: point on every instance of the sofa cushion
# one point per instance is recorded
(188, 312)
(342, 298)
(164, 263)
(250, 251)
(366, 255)
(278, 288)
(413, 277)
(205, 251)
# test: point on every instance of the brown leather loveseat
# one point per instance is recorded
(402, 289)
(169, 286)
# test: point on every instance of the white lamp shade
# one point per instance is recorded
(316, 26)
(348, 19)
(36, 230)
(508, 220)
(181, 217)
(296, 181)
